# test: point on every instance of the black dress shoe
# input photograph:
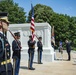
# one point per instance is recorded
(40, 63)
(68, 60)
(31, 68)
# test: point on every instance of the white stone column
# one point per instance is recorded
(46, 36)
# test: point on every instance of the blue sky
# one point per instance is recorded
(59, 6)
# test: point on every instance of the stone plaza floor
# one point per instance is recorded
(58, 67)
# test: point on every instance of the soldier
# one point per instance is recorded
(5, 62)
(68, 48)
(40, 49)
(61, 49)
(31, 45)
(16, 47)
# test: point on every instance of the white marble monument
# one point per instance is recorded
(43, 30)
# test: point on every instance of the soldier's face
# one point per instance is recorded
(4, 25)
(0, 24)
(18, 37)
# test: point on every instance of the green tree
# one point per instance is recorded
(46, 14)
(16, 14)
(65, 26)
(41, 13)
(72, 30)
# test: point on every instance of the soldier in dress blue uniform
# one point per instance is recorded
(16, 47)
(40, 49)
(68, 48)
(5, 62)
(31, 45)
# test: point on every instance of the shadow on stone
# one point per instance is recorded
(23, 67)
(60, 59)
(35, 62)
(74, 64)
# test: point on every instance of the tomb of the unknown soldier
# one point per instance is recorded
(41, 30)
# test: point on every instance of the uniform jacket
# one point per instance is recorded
(31, 45)
(40, 46)
(16, 49)
(3, 42)
(68, 47)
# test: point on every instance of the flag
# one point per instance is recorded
(32, 27)
(53, 36)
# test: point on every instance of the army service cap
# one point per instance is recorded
(40, 38)
(17, 34)
(3, 17)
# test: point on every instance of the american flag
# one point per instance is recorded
(32, 27)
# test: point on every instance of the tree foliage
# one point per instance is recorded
(65, 26)
(16, 13)
(40, 14)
